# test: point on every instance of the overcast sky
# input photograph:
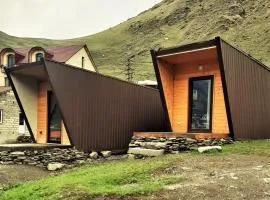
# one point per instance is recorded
(62, 19)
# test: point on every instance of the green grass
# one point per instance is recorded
(125, 177)
(119, 178)
(252, 147)
(166, 24)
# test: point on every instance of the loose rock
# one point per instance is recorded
(146, 152)
(55, 166)
(106, 154)
(209, 149)
(93, 155)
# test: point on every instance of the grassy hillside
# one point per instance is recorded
(172, 22)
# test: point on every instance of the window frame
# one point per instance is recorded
(190, 97)
(83, 62)
(8, 60)
(1, 116)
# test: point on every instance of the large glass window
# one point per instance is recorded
(10, 60)
(55, 120)
(200, 99)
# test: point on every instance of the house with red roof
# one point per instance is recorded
(12, 123)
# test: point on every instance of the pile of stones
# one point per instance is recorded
(51, 159)
(24, 139)
(156, 146)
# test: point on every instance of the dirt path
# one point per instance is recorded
(10, 174)
(220, 177)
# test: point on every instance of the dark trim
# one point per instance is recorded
(190, 94)
(187, 47)
(224, 86)
(19, 103)
(49, 97)
(23, 66)
(161, 91)
(64, 120)
(49, 93)
(90, 57)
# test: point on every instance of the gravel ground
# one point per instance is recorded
(10, 174)
(212, 177)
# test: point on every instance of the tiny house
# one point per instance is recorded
(68, 105)
(213, 89)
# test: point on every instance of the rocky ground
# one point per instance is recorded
(12, 174)
(220, 177)
(212, 177)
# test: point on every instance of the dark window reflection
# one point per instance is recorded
(201, 104)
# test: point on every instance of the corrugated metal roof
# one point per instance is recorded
(99, 112)
(56, 53)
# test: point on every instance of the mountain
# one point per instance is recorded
(243, 23)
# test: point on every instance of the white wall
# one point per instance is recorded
(76, 60)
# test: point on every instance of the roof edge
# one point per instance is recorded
(186, 47)
(97, 74)
(246, 54)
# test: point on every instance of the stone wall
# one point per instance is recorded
(46, 158)
(9, 128)
(155, 146)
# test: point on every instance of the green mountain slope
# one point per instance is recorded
(244, 23)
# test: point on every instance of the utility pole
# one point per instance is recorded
(129, 69)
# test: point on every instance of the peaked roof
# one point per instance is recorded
(57, 53)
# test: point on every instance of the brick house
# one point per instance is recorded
(12, 122)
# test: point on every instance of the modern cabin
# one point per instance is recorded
(213, 89)
(90, 111)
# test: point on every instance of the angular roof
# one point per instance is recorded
(245, 83)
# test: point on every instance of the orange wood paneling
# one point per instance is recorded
(42, 133)
(166, 74)
(180, 107)
(176, 134)
(175, 75)
(42, 115)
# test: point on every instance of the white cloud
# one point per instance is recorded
(66, 18)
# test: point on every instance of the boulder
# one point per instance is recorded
(93, 155)
(55, 166)
(209, 149)
(17, 153)
(106, 154)
(146, 152)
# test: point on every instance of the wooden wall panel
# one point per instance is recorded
(42, 115)
(180, 95)
(167, 76)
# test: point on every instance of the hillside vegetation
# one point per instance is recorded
(243, 23)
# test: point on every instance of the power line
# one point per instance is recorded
(129, 69)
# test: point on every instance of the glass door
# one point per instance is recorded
(200, 104)
(55, 120)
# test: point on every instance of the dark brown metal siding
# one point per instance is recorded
(248, 86)
(101, 113)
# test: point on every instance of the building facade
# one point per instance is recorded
(213, 89)
(95, 113)
(13, 123)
